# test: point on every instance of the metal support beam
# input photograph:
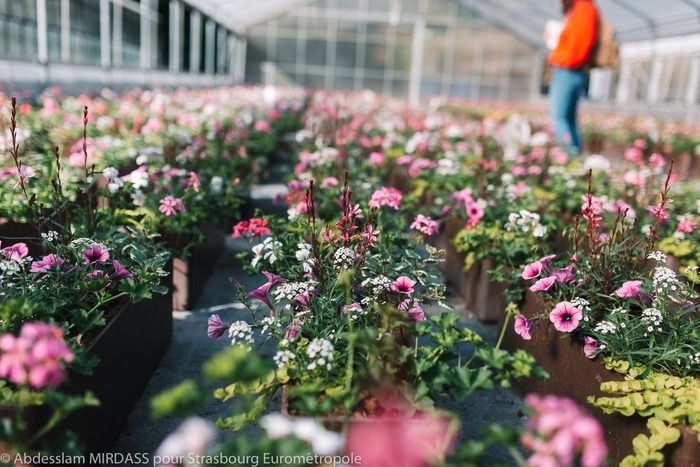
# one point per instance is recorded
(691, 95)
(496, 17)
(176, 29)
(195, 41)
(105, 50)
(651, 24)
(415, 79)
(209, 46)
(117, 33)
(232, 51)
(241, 51)
(221, 43)
(537, 72)
(41, 32)
(623, 86)
(654, 89)
(65, 31)
(146, 35)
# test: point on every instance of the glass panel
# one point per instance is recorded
(316, 52)
(286, 50)
(85, 32)
(346, 54)
(131, 39)
(375, 56)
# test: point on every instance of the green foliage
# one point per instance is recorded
(182, 399)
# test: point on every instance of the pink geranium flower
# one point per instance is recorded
(262, 126)
(565, 317)
(425, 225)
(95, 254)
(386, 197)
(522, 327)
(329, 182)
(590, 347)
(170, 206)
(629, 289)
(255, 227)
(377, 158)
(36, 357)
(403, 285)
(686, 224)
(532, 270)
(543, 284)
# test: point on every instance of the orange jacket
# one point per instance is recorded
(578, 38)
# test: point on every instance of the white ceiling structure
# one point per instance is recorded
(633, 19)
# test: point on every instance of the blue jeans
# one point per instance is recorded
(565, 90)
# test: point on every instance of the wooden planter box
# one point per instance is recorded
(12, 232)
(577, 377)
(129, 349)
(190, 274)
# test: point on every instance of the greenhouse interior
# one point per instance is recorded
(379, 233)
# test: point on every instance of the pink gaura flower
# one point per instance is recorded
(193, 181)
(377, 158)
(590, 347)
(403, 285)
(95, 254)
(216, 327)
(532, 270)
(659, 212)
(686, 224)
(330, 182)
(425, 225)
(522, 327)
(386, 197)
(47, 263)
(370, 235)
(170, 206)
(36, 357)
(629, 289)
(16, 252)
(656, 161)
(544, 284)
(261, 292)
(565, 317)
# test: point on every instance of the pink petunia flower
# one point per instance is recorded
(216, 327)
(119, 271)
(590, 347)
(532, 270)
(329, 182)
(261, 292)
(522, 327)
(416, 313)
(47, 263)
(16, 252)
(544, 284)
(629, 289)
(95, 254)
(403, 285)
(565, 317)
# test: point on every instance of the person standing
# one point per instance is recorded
(569, 61)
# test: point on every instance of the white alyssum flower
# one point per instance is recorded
(304, 256)
(652, 316)
(664, 279)
(268, 251)
(50, 236)
(606, 327)
(344, 258)
(289, 290)
(241, 332)
(270, 323)
(320, 351)
(376, 285)
(657, 256)
(283, 357)
(526, 222)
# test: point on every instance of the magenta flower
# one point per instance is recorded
(565, 317)
(16, 252)
(522, 327)
(416, 313)
(532, 270)
(403, 285)
(261, 292)
(119, 271)
(95, 254)
(565, 275)
(547, 261)
(255, 227)
(35, 357)
(96, 275)
(386, 197)
(293, 330)
(170, 206)
(216, 327)
(425, 225)
(629, 289)
(377, 158)
(47, 263)
(330, 182)
(544, 284)
(590, 347)
(262, 126)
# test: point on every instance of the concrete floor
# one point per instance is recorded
(191, 347)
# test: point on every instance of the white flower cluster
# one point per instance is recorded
(241, 332)
(354, 310)
(9, 267)
(216, 184)
(50, 236)
(270, 323)
(664, 279)
(303, 255)
(652, 317)
(283, 357)
(344, 258)
(526, 222)
(269, 250)
(657, 256)
(289, 290)
(322, 441)
(320, 351)
(693, 360)
(606, 327)
(376, 285)
(583, 305)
